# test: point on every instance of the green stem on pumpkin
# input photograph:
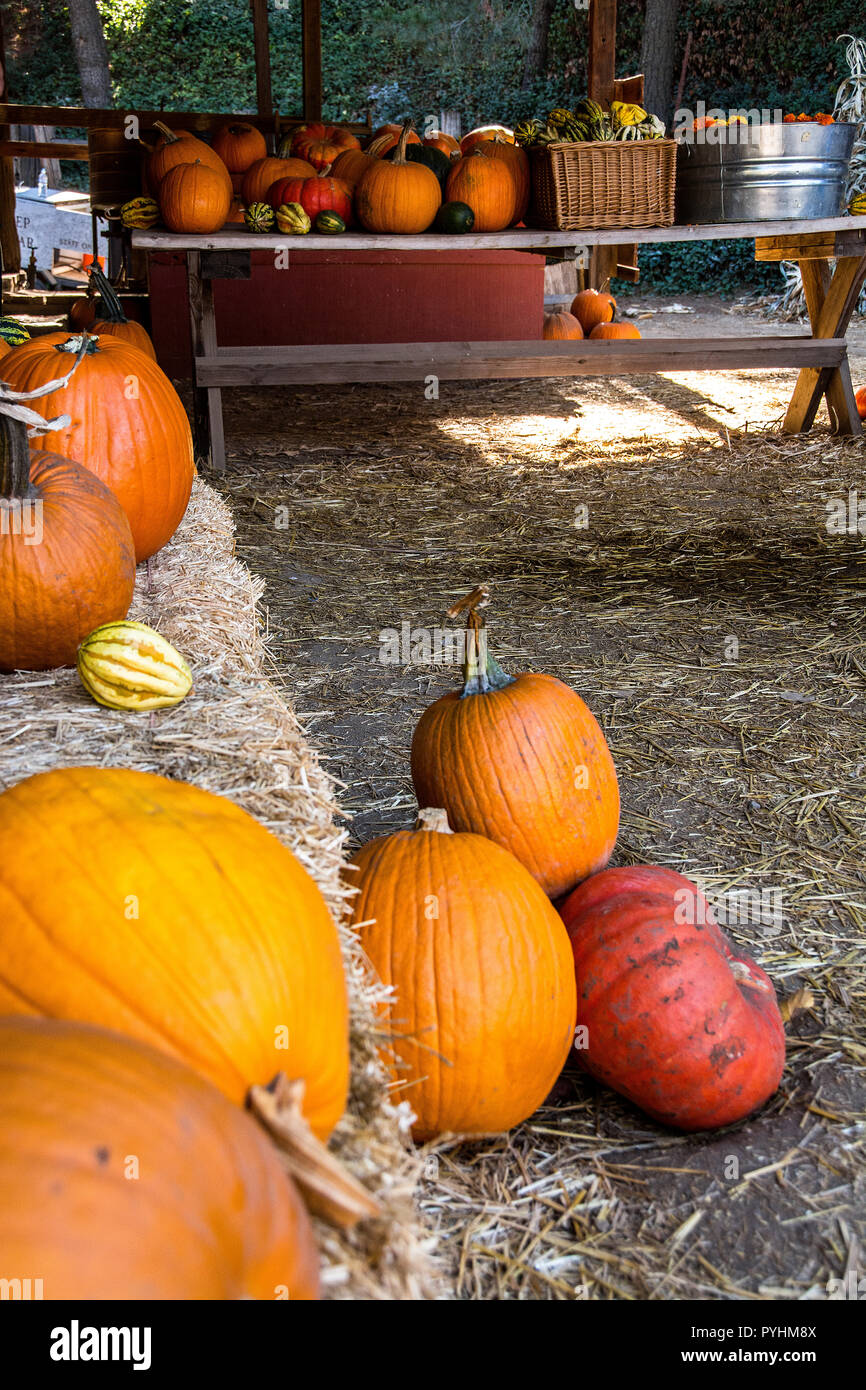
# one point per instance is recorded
(110, 302)
(481, 671)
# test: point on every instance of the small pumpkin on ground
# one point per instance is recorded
(67, 560)
(483, 1017)
(265, 172)
(592, 307)
(292, 220)
(259, 217)
(113, 320)
(126, 665)
(208, 1211)
(127, 425)
(669, 1014)
(522, 760)
(561, 324)
(861, 402)
(454, 219)
(194, 199)
(487, 185)
(239, 145)
(397, 195)
(615, 330)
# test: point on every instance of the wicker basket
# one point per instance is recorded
(599, 184)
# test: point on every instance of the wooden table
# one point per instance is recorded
(821, 356)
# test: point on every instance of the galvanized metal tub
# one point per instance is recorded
(782, 171)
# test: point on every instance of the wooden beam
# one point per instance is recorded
(311, 29)
(44, 149)
(601, 64)
(74, 117)
(10, 246)
(261, 40)
(814, 246)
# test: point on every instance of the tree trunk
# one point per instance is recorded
(657, 56)
(91, 53)
(535, 65)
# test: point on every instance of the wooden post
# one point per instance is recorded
(261, 36)
(311, 28)
(10, 246)
(208, 436)
(601, 78)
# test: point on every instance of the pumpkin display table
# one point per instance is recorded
(821, 356)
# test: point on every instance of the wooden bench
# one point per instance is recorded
(822, 359)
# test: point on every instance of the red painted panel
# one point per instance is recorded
(355, 297)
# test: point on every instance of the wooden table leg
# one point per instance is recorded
(208, 435)
(831, 300)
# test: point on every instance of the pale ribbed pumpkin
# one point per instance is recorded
(162, 911)
(483, 1014)
(67, 560)
(126, 665)
(123, 1175)
(127, 426)
(397, 195)
(487, 187)
(521, 760)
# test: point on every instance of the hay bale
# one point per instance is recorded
(235, 736)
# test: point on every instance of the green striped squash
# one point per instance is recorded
(13, 332)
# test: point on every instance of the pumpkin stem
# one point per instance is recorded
(434, 818)
(170, 136)
(329, 1189)
(15, 483)
(111, 304)
(82, 344)
(481, 671)
(400, 152)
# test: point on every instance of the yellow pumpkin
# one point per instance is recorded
(127, 665)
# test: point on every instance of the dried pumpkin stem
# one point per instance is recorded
(481, 671)
(169, 134)
(400, 152)
(328, 1189)
(15, 483)
(433, 818)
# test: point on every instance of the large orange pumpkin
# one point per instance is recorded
(350, 167)
(398, 195)
(485, 185)
(67, 562)
(114, 321)
(239, 145)
(158, 909)
(123, 1175)
(485, 132)
(181, 149)
(128, 426)
(193, 198)
(516, 161)
(668, 1013)
(560, 325)
(521, 760)
(483, 1014)
(265, 172)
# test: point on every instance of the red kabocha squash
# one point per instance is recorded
(615, 330)
(398, 195)
(264, 172)
(193, 198)
(668, 1013)
(239, 145)
(114, 320)
(350, 166)
(487, 187)
(181, 149)
(516, 160)
(320, 193)
(123, 1175)
(67, 561)
(485, 132)
(483, 1015)
(127, 425)
(592, 307)
(561, 325)
(521, 760)
(192, 929)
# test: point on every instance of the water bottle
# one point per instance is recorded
(42, 184)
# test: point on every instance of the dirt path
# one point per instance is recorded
(742, 763)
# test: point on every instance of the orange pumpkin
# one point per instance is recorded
(516, 161)
(123, 1175)
(321, 153)
(483, 1017)
(591, 307)
(440, 141)
(115, 322)
(487, 186)
(180, 149)
(398, 195)
(67, 562)
(264, 172)
(522, 761)
(193, 198)
(307, 137)
(485, 132)
(387, 137)
(350, 167)
(239, 145)
(236, 211)
(4, 347)
(861, 402)
(614, 330)
(561, 325)
(192, 929)
(82, 311)
(127, 425)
